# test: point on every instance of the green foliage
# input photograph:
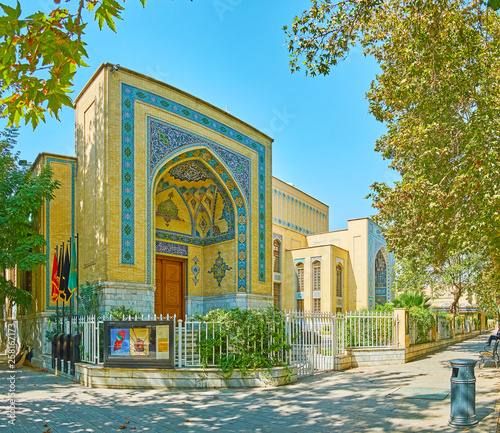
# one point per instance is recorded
(41, 53)
(22, 194)
(370, 332)
(425, 321)
(89, 299)
(387, 308)
(255, 339)
(122, 313)
(411, 298)
(437, 94)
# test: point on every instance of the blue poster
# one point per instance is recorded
(120, 342)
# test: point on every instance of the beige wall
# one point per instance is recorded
(296, 210)
(329, 256)
(60, 223)
(354, 239)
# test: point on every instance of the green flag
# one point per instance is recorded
(73, 269)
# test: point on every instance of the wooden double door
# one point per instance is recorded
(170, 286)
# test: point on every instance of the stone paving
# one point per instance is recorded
(370, 399)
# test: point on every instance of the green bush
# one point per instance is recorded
(368, 331)
(242, 339)
(122, 313)
(89, 299)
(425, 321)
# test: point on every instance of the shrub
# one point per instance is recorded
(424, 320)
(242, 339)
(123, 313)
(89, 299)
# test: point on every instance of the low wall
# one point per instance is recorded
(372, 356)
(420, 350)
(369, 356)
(97, 376)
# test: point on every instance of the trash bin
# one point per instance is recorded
(463, 394)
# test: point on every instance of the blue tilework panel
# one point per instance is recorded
(376, 243)
(170, 248)
(50, 253)
(129, 96)
(164, 139)
(219, 269)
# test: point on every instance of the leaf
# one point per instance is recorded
(494, 4)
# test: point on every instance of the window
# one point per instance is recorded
(277, 255)
(317, 305)
(277, 295)
(380, 278)
(340, 280)
(300, 305)
(299, 269)
(316, 272)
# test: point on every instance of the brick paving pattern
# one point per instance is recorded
(369, 399)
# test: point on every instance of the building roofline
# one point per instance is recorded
(56, 155)
(168, 86)
(318, 246)
(305, 193)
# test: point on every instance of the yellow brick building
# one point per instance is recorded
(177, 212)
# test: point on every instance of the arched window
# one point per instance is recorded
(299, 270)
(316, 275)
(340, 280)
(380, 278)
(277, 255)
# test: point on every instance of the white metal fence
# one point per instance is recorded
(370, 329)
(314, 338)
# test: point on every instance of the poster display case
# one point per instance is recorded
(139, 344)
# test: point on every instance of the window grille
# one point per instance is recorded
(317, 276)
(317, 305)
(277, 255)
(277, 295)
(340, 280)
(300, 305)
(300, 277)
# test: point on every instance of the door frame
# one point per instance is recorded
(183, 263)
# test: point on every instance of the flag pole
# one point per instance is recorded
(57, 302)
(60, 292)
(77, 282)
(70, 299)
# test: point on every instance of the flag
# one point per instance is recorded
(73, 280)
(54, 294)
(64, 292)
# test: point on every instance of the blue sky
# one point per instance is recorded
(233, 53)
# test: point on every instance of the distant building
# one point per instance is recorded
(319, 270)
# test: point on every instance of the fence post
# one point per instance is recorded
(403, 329)
(335, 350)
(180, 342)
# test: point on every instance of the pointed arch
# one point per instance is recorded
(381, 276)
(211, 167)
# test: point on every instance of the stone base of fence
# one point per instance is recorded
(97, 376)
(420, 350)
(343, 362)
(370, 356)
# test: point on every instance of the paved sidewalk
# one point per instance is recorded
(373, 399)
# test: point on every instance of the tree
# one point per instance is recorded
(41, 53)
(438, 94)
(411, 298)
(22, 195)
